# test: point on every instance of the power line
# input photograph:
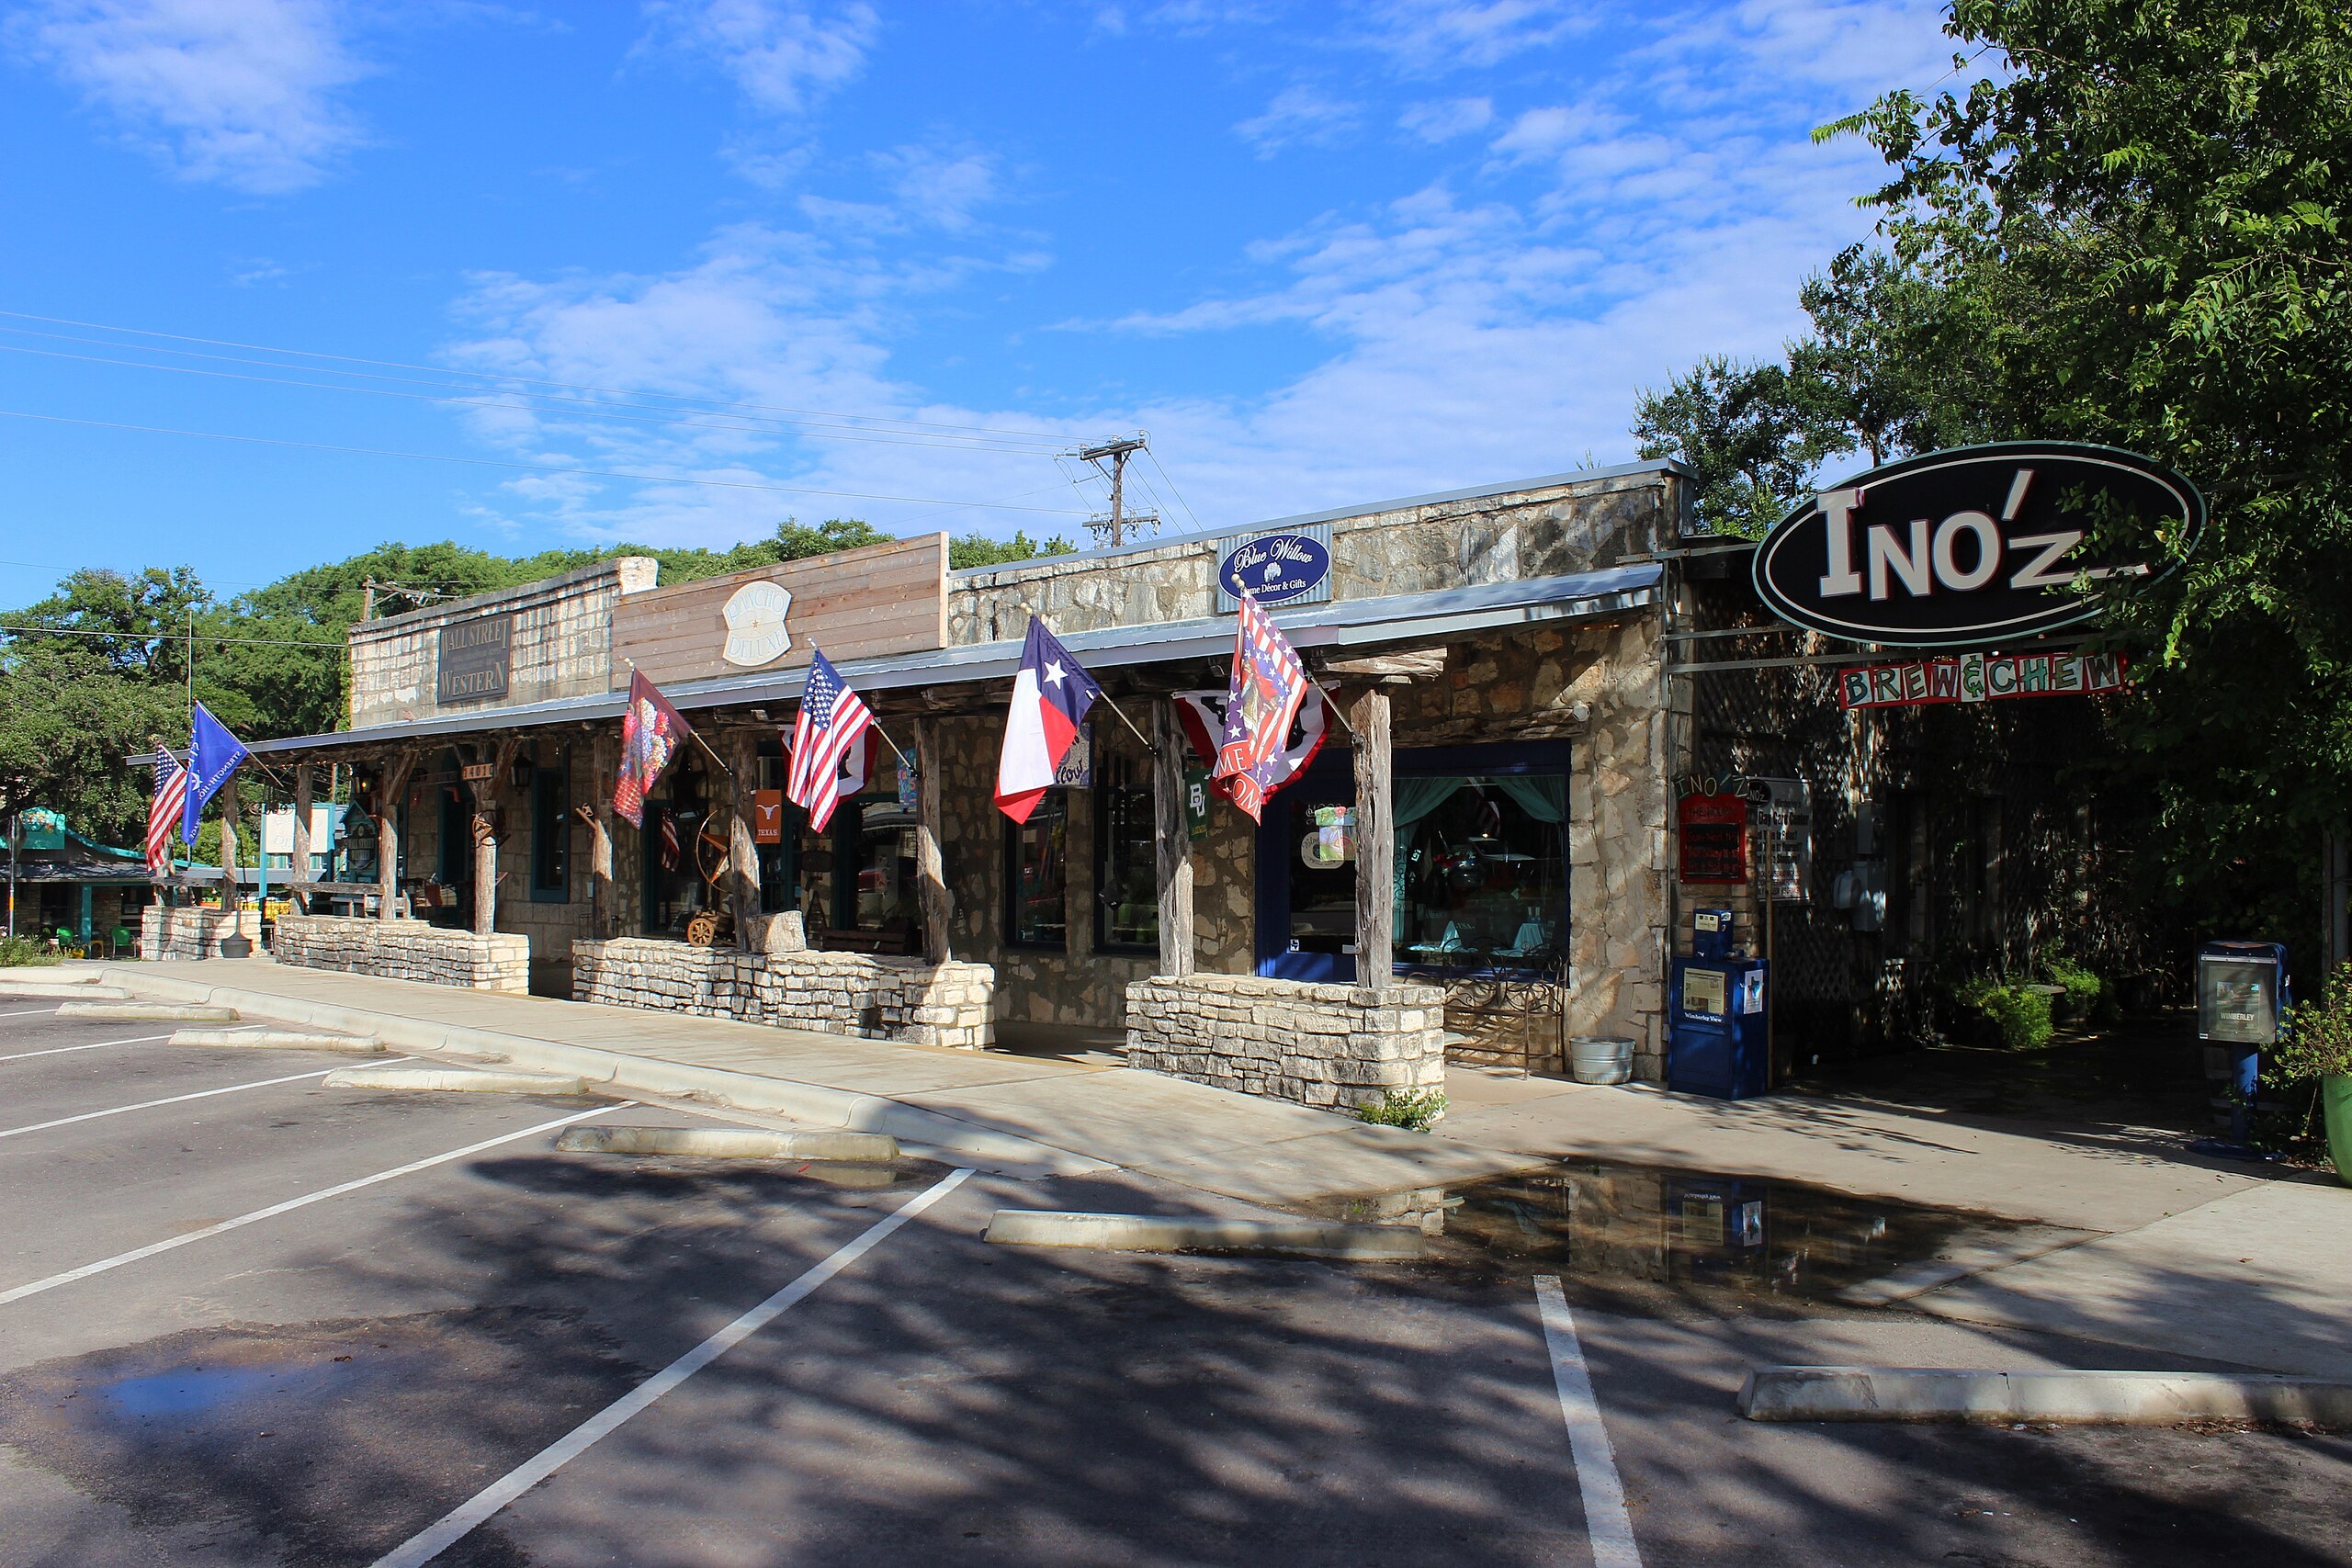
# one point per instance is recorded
(1172, 487)
(603, 410)
(530, 380)
(528, 467)
(169, 636)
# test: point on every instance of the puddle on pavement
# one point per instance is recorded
(329, 1441)
(1643, 1229)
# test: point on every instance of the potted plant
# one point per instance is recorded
(2315, 1046)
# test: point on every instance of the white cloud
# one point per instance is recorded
(242, 93)
(783, 55)
(1299, 114)
(1444, 119)
(1437, 35)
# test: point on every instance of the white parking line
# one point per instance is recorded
(427, 1544)
(117, 1262)
(95, 1044)
(171, 1099)
(1606, 1522)
(35, 1012)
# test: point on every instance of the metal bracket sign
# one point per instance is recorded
(1978, 545)
(472, 658)
(1712, 833)
(1292, 566)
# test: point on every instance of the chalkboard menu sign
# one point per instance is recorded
(472, 659)
(1713, 832)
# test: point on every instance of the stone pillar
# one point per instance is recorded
(742, 843)
(298, 876)
(604, 914)
(230, 895)
(938, 906)
(1376, 843)
(1173, 839)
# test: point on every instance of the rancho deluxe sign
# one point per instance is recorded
(1977, 545)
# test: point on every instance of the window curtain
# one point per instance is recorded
(1413, 798)
(1543, 796)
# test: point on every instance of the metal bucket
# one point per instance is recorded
(1596, 1059)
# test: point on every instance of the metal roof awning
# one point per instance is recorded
(1355, 622)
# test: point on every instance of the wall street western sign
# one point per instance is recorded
(1977, 545)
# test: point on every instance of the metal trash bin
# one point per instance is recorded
(1594, 1058)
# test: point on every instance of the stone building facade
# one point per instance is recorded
(1514, 635)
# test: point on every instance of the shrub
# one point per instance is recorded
(21, 950)
(2021, 1014)
(2314, 1037)
(1416, 1110)
(2082, 988)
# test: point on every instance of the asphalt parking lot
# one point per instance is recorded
(248, 1319)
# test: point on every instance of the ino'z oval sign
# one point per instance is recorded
(1978, 544)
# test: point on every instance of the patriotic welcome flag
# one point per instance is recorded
(652, 734)
(1261, 699)
(1050, 696)
(212, 755)
(163, 812)
(1200, 715)
(826, 735)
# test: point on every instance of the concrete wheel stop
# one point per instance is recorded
(1151, 1233)
(2143, 1399)
(150, 1012)
(728, 1143)
(456, 1080)
(281, 1040)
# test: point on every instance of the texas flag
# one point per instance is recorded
(1050, 697)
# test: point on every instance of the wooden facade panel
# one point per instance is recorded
(861, 604)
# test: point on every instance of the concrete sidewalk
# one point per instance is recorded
(1007, 1111)
(2187, 1255)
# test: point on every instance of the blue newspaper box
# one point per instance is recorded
(1715, 1039)
(2242, 989)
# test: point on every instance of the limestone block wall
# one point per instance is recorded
(1578, 524)
(173, 933)
(1332, 1046)
(844, 993)
(405, 950)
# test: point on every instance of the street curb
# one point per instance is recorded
(2146, 1399)
(727, 1142)
(61, 990)
(1151, 1233)
(623, 1075)
(454, 1079)
(279, 1040)
(151, 1012)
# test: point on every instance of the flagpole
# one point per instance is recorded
(1149, 749)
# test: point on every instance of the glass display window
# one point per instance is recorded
(1481, 872)
(1037, 876)
(1126, 867)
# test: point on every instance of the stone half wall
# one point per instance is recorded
(841, 993)
(1331, 1046)
(176, 933)
(405, 950)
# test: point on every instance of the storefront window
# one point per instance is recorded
(877, 841)
(1126, 873)
(1037, 876)
(551, 831)
(1481, 872)
(779, 863)
(1318, 847)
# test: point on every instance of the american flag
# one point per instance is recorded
(1262, 699)
(831, 718)
(163, 812)
(669, 845)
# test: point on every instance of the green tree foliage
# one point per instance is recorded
(1741, 429)
(979, 549)
(2146, 222)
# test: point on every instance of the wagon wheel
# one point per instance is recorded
(703, 931)
(710, 850)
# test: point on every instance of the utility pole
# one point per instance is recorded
(367, 598)
(1115, 527)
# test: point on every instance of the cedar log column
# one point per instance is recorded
(297, 877)
(1376, 843)
(932, 897)
(391, 784)
(1171, 838)
(604, 914)
(232, 896)
(742, 843)
(486, 823)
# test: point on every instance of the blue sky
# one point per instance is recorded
(1324, 254)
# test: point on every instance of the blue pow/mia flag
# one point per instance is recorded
(213, 755)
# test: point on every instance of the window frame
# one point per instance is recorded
(552, 831)
(1012, 878)
(1103, 943)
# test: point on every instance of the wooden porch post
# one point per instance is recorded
(1173, 839)
(1376, 843)
(742, 843)
(232, 896)
(391, 783)
(605, 762)
(931, 896)
(298, 876)
(486, 825)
